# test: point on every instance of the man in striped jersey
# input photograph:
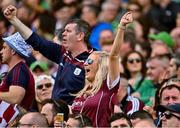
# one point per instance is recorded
(18, 85)
(70, 56)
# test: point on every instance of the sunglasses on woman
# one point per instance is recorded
(89, 61)
(168, 115)
(131, 61)
(48, 85)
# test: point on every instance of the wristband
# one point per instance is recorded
(122, 27)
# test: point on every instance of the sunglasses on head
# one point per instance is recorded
(131, 61)
(48, 85)
(89, 61)
(168, 115)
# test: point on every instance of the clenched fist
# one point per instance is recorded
(10, 12)
(126, 18)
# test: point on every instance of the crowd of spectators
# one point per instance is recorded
(99, 63)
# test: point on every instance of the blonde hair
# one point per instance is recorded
(100, 76)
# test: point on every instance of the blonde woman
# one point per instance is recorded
(102, 80)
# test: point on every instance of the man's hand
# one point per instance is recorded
(10, 12)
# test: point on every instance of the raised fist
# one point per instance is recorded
(126, 19)
(10, 12)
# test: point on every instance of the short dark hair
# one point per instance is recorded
(59, 106)
(121, 115)
(142, 114)
(168, 88)
(82, 26)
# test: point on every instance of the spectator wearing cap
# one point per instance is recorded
(70, 56)
(38, 68)
(168, 93)
(18, 85)
(43, 91)
(161, 43)
(90, 14)
(170, 117)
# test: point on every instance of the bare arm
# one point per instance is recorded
(14, 96)
(10, 13)
(114, 67)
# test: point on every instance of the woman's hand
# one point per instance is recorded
(126, 19)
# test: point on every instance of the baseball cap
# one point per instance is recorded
(40, 64)
(18, 44)
(164, 37)
(172, 108)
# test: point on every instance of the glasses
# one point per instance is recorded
(131, 61)
(168, 115)
(48, 85)
(89, 61)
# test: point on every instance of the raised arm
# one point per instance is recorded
(114, 69)
(10, 13)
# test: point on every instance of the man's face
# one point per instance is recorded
(154, 70)
(170, 120)
(120, 123)
(47, 111)
(25, 121)
(70, 37)
(170, 96)
(106, 35)
(159, 49)
(6, 53)
(72, 123)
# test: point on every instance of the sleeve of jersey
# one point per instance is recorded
(20, 77)
(49, 49)
(114, 83)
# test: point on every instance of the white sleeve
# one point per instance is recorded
(113, 83)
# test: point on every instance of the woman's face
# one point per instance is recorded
(44, 90)
(91, 67)
(134, 63)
